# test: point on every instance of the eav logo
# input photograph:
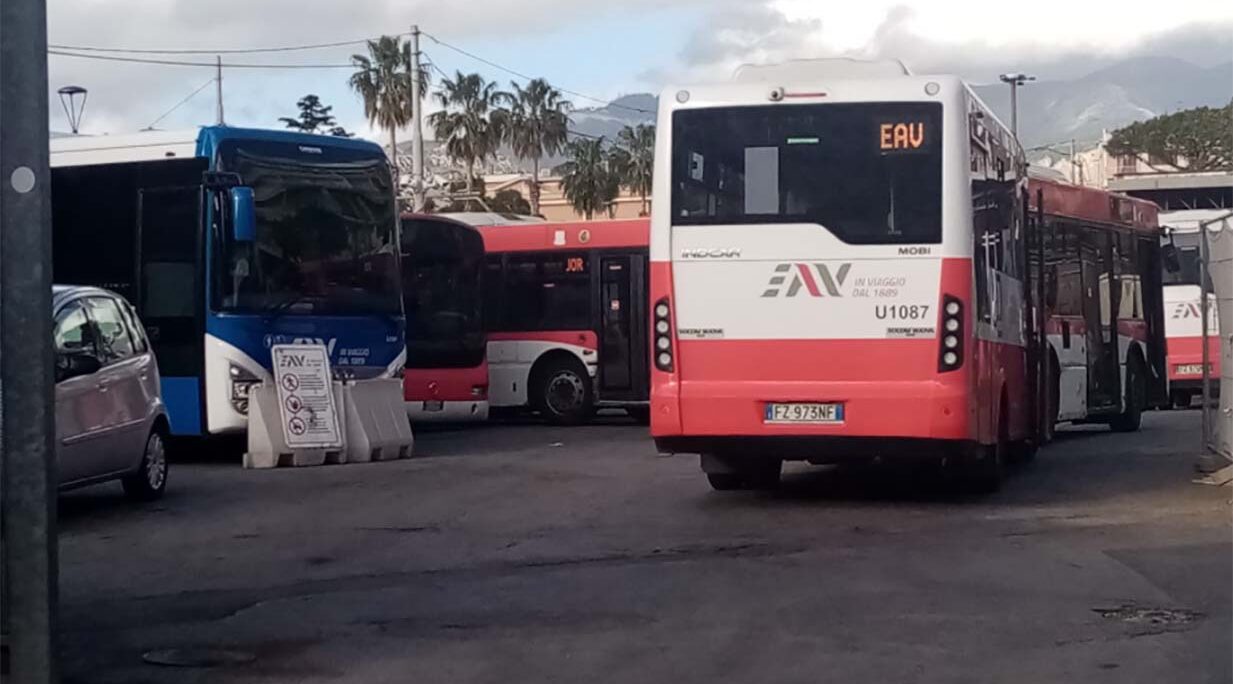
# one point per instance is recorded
(802, 276)
(1187, 310)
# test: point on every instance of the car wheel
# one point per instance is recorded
(149, 481)
(563, 393)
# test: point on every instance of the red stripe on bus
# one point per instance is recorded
(807, 277)
(577, 338)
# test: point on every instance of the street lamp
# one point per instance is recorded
(72, 109)
(1014, 80)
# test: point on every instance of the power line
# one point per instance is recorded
(212, 65)
(219, 51)
(180, 103)
(521, 75)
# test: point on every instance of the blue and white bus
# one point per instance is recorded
(228, 241)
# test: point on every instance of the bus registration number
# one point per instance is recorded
(1189, 369)
(804, 413)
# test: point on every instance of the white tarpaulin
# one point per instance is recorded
(1220, 244)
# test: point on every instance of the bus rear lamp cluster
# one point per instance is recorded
(950, 352)
(663, 336)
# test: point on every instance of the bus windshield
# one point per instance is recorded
(1188, 258)
(870, 173)
(325, 235)
(442, 262)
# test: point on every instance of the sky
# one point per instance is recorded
(600, 49)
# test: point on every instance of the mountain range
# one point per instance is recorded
(1050, 112)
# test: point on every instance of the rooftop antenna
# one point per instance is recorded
(72, 108)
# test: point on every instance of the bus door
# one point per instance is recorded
(171, 298)
(1099, 289)
(622, 335)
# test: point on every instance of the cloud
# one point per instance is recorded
(125, 97)
(753, 33)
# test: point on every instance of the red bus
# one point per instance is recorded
(1104, 305)
(446, 376)
(1184, 314)
(566, 317)
(840, 270)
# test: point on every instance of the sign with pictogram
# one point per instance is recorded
(306, 396)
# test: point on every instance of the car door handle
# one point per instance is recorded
(103, 385)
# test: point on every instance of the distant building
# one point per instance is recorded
(1167, 184)
(552, 202)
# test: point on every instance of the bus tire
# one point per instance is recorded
(726, 482)
(1182, 400)
(1134, 399)
(1054, 374)
(640, 414)
(562, 392)
(986, 474)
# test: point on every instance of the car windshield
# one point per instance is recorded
(869, 173)
(441, 263)
(325, 241)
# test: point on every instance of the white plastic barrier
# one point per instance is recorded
(371, 416)
(1220, 245)
(375, 424)
(267, 446)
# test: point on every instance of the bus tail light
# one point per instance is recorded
(663, 336)
(950, 347)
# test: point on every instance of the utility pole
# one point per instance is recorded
(1014, 80)
(28, 470)
(1074, 163)
(417, 123)
(218, 87)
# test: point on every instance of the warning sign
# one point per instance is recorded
(306, 396)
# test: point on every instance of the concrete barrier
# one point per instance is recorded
(267, 448)
(376, 427)
(371, 416)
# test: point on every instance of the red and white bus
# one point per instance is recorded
(565, 305)
(446, 376)
(1183, 310)
(1104, 310)
(839, 269)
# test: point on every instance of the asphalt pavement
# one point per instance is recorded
(519, 552)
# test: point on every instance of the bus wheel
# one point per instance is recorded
(640, 414)
(985, 474)
(563, 392)
(1136, 396)
(725, 482)
(1181, 400)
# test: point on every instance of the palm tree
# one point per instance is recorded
(634, 158)
(470, 123)
(383, 80)
(538, 125)
(587, 178)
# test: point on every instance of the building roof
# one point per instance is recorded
(1172, 181)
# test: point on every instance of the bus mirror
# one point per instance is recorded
(1168, 256)
(243, 214)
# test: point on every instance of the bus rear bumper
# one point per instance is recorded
(447, 411)
(707, 417)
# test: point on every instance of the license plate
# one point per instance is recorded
(434, 405)
(1189, 369)
(804, 413)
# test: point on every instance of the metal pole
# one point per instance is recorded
(417, 124)
(218, 86)
(28, 496)
(1014, 109)
(1205, 314)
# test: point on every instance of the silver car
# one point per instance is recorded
(110, 420)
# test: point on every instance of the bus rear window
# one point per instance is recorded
(871, 173)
